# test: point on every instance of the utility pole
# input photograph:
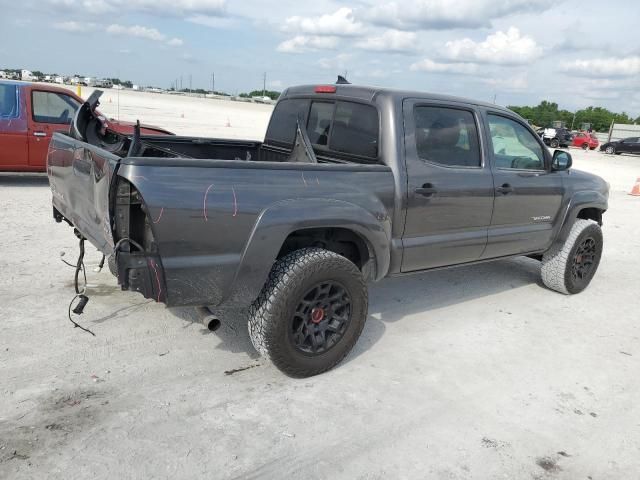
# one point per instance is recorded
(190, 83)
(213, 82)
(264, 84)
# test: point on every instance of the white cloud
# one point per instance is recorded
(428, 65)
(443, 14)
(605, 67)
(340, 23)
(175, 42)
(509, 82)
(155, 7)
(510, 48)
(74, 27)
(390, 41)
(339, 62)
(140, 31)
(277, 84)
(303, 43)
(136, 31)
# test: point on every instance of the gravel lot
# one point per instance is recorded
(472, 372)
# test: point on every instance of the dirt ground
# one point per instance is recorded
(472, 372)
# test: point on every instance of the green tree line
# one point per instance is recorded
(546, 112)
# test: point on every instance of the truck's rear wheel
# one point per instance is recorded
(310, 312)
(569, 267)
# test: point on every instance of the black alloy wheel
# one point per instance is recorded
(321, 318)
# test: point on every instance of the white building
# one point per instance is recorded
(27, 75)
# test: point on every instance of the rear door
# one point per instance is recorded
(14, 149)
(450, 187)
(50, 112)
(528, 194)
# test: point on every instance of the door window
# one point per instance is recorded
(514, 146)
(50, 107)
(447, 136)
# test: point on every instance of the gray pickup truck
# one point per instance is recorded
(351, 184)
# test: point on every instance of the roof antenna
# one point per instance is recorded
(342, 81)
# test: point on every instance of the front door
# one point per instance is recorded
(50, 112)
(528, 194)
(450, 187)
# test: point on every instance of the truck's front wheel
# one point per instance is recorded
(310, 312)
(569, 267)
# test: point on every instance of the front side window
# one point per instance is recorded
(514, 146)
(50, 107)
(447, 136)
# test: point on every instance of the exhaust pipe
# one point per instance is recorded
(207, 318)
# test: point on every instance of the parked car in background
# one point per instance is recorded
(586, 140)
(626, 145)
(556, 137)
(29, 115)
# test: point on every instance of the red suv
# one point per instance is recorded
(586, 140)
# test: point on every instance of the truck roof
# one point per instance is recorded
(368, 93)
(43, 86)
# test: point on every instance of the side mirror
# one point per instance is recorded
(561, 161)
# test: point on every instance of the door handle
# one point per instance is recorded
(39, 134)
(505, 188)
(427, 190)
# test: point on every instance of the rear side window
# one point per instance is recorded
(282, 127)
(8, 101)
(50, 107)
(447, 136)
(355, 129)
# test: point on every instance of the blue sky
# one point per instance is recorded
(522, 51)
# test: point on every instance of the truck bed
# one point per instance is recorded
(210, 228)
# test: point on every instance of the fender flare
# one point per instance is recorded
(580, 201)
(281, 219)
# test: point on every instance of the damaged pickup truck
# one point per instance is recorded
(351, 184)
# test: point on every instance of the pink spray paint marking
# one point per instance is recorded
(303, 179)
(235, 202)
(204, 203)
(153, 265)
(159, 216)
(135, 177)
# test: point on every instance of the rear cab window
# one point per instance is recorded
(9, 105)
(342, 129)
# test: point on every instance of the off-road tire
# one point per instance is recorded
(558, 261)
(271, 314)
